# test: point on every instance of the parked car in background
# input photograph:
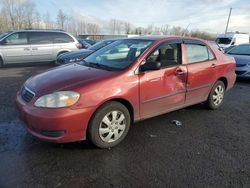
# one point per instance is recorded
(231, 38)
(84, 44)
(91, 42)
(229, 48)
(127, 81)
(241, 54)
(76, 56)
(216, 45)
(25, 46)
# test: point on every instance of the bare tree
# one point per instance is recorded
(28, 13)
(177, 30)
(149, 30)
(165, 29)
(93, 28)
(61, 19)
(112, 26)
(37, 20)
(47, 21)
(127, 27)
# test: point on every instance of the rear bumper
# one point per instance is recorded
(54, 125)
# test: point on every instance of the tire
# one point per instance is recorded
(109, 125)
(216, 95)
(1, 62)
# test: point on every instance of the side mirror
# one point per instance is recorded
(151, 65)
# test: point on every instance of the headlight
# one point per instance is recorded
(58, 99)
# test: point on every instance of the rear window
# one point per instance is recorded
(40, 38)
(61, 38)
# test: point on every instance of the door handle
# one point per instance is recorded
(26, 49)
(213, 65)
(155, 79)
(35, 48)
(179, 72)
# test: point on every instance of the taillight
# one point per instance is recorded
(78, 45)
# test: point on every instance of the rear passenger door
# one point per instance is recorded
(201, 64)
(15, 48)
(41, 46)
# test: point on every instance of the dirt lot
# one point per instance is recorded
(210, 149)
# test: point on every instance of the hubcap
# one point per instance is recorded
(112, 126)
(218, 95)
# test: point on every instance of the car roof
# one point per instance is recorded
(165, 37)
(39, 30)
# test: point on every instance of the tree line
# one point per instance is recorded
(20, 14)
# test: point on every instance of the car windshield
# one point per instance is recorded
(118, 55)
(100, 44)
(240, 50)
(223, 40)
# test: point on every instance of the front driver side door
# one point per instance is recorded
(15, 48)
(163, 90)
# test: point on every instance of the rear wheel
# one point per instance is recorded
(216, 95)
(109, 125)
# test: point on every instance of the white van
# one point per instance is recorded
(35, 46)
(229, 39)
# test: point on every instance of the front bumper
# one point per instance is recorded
(54, 125)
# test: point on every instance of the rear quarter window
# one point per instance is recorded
(61, 38)
(198, 53)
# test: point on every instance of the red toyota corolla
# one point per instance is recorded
(127, 81)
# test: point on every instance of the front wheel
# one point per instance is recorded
(216, 95)
(109, 125)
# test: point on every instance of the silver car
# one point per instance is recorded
(35, 46)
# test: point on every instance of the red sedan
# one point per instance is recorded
(126, 81)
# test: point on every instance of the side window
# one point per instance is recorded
(40, 38)
(16, 39)
(210, 55)
(166, 54)
(198, 53)
(61, 38)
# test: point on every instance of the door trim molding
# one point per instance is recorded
(164, 96)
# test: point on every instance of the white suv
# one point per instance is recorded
(35, 46)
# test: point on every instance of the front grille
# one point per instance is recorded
(26, 94)
(240, 65)
(240, 72)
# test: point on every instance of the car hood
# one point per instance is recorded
(65, 78)
(241, 59)
(75, 54)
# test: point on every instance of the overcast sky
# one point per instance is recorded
(207, 15)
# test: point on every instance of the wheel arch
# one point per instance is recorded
(123, 101)
(61, 52)
(224, 80)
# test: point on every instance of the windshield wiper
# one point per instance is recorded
(98, 65)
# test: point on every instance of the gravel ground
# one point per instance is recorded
(210, 149)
